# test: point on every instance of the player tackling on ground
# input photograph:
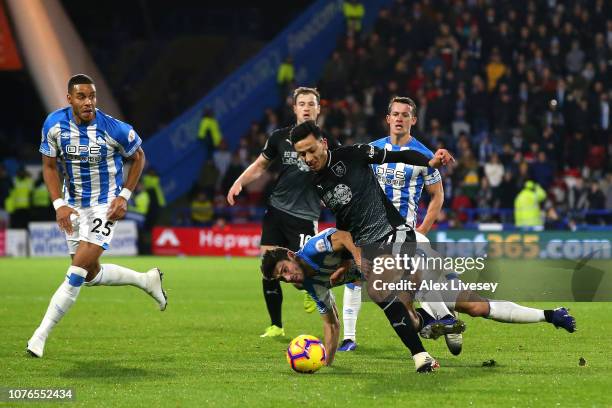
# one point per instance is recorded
(91, 147)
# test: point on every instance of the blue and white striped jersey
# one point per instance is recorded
(319, 254)
(403, 183)
(92, 154)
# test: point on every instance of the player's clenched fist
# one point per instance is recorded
(441, 158)
(62, 215)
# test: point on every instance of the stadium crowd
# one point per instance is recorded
(517, 90)
(520, 91)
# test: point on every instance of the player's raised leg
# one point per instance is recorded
(116, 275)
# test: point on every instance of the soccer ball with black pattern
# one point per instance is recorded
(306, 354)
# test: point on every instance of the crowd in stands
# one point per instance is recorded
(517, 90)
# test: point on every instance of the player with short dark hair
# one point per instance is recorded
(346, 185)
(92, 147)
(293, 208)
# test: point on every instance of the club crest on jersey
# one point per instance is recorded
(65, 135)
(339, 169)
(320, 245)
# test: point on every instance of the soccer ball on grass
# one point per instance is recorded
(306, 354)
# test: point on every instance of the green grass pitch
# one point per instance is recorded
(116, 349)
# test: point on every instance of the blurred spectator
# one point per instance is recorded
(234, 170)
(285, 77)
(596, 201)
(151, 182)
(494, 171)
(484, 199)
(577, 197)
(527, 211)
(19, 201)
(542, 171)
(574, 61)
(577, 150)
(202, 210)
(353, 13)
(460, 203)
(138, 207)
(222, 158)
(139, 211)
(495, 70)
(41, 202)
(6, 185)
(209, 131)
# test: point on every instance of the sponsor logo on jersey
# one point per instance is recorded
(390, 177)
(341, 195)
(371, 152)
(291, 158)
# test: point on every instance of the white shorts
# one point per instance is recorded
(91, 226)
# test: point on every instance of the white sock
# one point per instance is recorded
(508, 312)
(351, 304)
(115, 275)
(62, 300)
(436, 309)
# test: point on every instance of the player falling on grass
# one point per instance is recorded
(293, 208)
(403, 185)
(313, 267)
(92, 147)
(346, 185)
(326, 260)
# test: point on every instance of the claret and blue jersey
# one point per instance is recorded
(403, 183)
(92, 154)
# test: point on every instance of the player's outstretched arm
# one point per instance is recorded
(118, 206)
(253, 172)
(441, 158)
(331, 332)
(52, 181)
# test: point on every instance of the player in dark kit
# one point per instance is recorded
(294, 206)
(346, 184)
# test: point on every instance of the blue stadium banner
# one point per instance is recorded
(243, 96)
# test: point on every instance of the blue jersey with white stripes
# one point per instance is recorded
(403, 183)
(318, 253)
(92, 154)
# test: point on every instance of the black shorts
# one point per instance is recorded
(402, 239)
(282, 229)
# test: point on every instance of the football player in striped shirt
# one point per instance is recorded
(91, 147)
(403, 184)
